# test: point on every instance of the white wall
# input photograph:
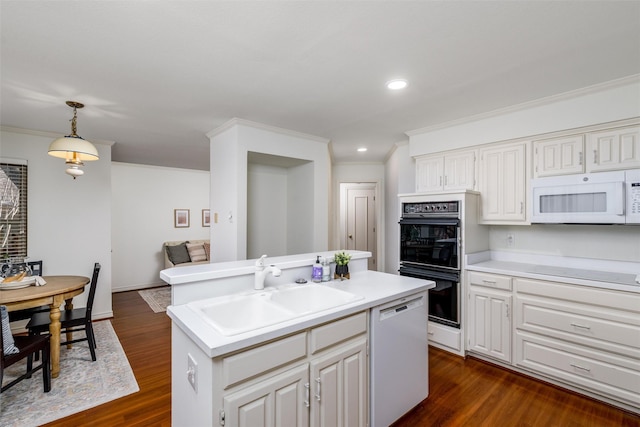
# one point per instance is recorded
(606, 103)
(399, 179)
(142, 200)
(361, 173)
(230, 145)
(69, 220)
(267, 188)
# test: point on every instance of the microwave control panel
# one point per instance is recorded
(632, 180)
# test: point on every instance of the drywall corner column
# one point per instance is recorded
(228, 196)
(230, 145)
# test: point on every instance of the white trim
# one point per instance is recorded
(13, 161)
(242, 122)
(635, 78)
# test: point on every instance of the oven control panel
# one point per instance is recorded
(431, 208)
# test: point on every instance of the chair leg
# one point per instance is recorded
(92, 340)
(46, 369)
(30, 364)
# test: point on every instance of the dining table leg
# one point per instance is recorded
(54, 330)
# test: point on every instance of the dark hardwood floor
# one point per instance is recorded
(462, 392)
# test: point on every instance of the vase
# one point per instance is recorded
(342, 271)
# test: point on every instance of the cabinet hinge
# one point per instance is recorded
(222, 418)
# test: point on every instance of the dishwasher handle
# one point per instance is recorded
(401, 308)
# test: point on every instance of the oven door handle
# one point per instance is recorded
(429, 221)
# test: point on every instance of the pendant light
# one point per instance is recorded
(73, 148)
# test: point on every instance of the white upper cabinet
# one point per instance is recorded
(448, 172)
(558, 156)
(613, 149)
(606, 150)
(503, 182)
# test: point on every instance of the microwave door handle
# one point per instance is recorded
(619, 199)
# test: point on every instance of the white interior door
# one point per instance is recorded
(360, 220)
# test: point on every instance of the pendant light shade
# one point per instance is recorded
(73, 148)
(72, 145)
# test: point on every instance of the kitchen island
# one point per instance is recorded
(309, 370)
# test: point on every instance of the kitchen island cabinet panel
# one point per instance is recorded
(276, 401)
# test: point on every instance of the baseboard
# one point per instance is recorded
(137, 287)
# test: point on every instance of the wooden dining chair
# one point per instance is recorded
(36, 270)
(76, 320)
(24, 346)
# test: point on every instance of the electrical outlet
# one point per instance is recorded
(511, 240)
(192, 372)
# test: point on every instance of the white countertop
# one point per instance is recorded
(586, 272)
(193, 273)
(376, 288)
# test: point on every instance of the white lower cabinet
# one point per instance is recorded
(586, 337)
(339, 387)
(581, 337)
(276, 401)
(318, 377)
(489, 319)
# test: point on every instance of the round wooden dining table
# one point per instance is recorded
(57, 290)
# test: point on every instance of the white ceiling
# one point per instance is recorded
(156, 76)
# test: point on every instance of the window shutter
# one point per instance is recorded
(13, 211)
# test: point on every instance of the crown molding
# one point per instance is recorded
(242, 122)
(635, 78)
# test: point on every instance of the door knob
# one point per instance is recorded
(351, 236)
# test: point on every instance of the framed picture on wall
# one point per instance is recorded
(181, 218)
(206, 218)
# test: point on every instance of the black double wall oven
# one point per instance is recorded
(430, 242)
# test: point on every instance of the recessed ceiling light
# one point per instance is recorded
(397, 84)
(362, 149)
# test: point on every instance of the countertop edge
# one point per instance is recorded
(519, 270)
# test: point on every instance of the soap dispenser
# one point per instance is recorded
(316, 273)
(326, 270)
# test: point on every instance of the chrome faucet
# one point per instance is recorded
(262, 271)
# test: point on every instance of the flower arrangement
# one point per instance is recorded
(342, 258)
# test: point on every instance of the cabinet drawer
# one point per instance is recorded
(335, 332)
(490, 280)
(596, 297)
(599, 372)
(605, 328)
(249, 363)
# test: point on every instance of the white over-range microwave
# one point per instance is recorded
(597, 198)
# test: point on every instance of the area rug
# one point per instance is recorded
(157, 298)
(82, 384)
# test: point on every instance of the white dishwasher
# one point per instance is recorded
(399, 358)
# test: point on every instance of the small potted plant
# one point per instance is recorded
(342, 265)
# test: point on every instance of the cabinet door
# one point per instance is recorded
(490, 323)
(281, 400)
(339, 387)
(614, 149)
(559, 156)
(503, 175)
(429, 173)
(459, 171)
